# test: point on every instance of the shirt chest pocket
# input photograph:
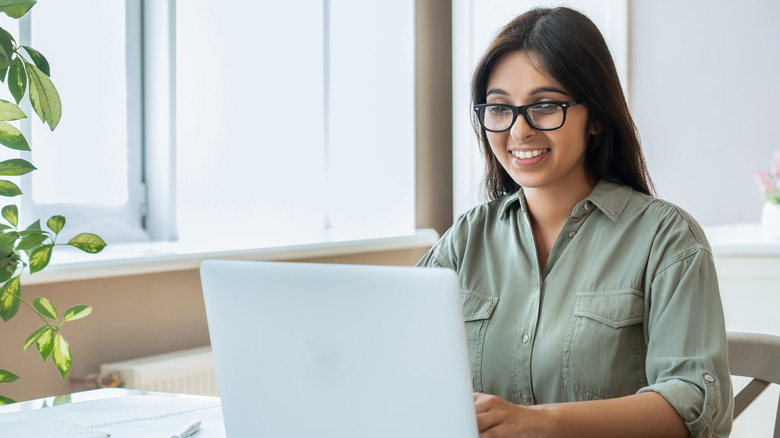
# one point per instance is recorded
(604, 347)
(478, 308)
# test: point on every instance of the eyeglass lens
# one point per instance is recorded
(540, 116)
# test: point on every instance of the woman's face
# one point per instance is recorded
(556, 158)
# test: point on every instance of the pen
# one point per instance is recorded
(188, 431)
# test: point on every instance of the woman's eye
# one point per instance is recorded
(546, 108)
(498, 110)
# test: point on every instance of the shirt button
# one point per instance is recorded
(709, 378)
(587, 205)
(525, 338)
(524, 398)
(572, 234)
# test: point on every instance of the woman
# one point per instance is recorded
(592, 308)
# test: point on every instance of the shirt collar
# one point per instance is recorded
(609, 197)
(511, 200)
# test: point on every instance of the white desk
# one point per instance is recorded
(118, 413)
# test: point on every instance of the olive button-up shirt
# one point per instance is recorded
(627, 302)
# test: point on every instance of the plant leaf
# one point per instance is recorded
(16, 8)
(88, 242)
(6, 401)
(63, 400)
(12, 137)
(77, 312)
(32, 228)
(61, 356)
(34, 337)
(9, 111)
(39, 60)
(6, 48)
(45, 343)
(9, 263)
(15, 167)
(45, 308)
(44, 96)
(32, 241)
(7, 240)
(9, 298)
(11, 213)
(11, 38)
(55, 223)
(17, 79)
(9, 189)
(7, 376)
(40, 258)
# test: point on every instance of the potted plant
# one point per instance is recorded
(26, 73)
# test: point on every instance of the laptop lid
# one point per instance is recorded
(323, 350)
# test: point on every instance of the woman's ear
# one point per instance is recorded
(595, 127)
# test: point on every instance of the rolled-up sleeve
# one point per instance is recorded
(687, 353)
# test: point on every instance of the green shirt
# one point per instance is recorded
(628, 302)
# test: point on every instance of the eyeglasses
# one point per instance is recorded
(542, 116)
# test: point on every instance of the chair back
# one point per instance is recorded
(758, 356)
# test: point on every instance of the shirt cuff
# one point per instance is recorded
(698, 403)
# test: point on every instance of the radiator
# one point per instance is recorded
(185, 372)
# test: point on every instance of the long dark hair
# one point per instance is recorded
(573, 51)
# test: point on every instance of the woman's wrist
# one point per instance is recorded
(548, 419)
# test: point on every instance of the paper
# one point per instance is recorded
(48, 428)
(121, 417)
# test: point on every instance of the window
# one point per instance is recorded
(255, 124)
(296, 121)
(88, 168)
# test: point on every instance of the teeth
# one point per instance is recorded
(524, 155)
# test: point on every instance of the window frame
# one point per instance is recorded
(117, 223)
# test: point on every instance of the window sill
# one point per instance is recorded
(69, 264)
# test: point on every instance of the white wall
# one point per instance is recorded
(704, 89)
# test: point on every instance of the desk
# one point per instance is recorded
(121, 413)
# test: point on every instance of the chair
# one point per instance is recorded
(757, 356)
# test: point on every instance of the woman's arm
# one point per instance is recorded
(640, 415)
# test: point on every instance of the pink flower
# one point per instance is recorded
(775, 169)
(764, 181)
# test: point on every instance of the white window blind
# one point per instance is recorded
(294, 120)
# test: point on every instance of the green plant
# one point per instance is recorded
(32, 246)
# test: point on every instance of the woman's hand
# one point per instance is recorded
(497, 417)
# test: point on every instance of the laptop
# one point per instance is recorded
(323, 350)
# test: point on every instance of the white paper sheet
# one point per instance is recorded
(47, 428)
(121, 417)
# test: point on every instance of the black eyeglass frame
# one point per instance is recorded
(523, 109)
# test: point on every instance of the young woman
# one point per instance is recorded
(592, 308)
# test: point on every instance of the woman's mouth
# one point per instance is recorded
(525, 155)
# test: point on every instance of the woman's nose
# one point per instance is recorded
(521, 130)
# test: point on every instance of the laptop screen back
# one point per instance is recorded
(323, 350)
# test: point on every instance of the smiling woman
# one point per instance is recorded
(597, 304)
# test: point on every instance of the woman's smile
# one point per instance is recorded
(527, 156)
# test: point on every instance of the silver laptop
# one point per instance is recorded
(322, 350)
